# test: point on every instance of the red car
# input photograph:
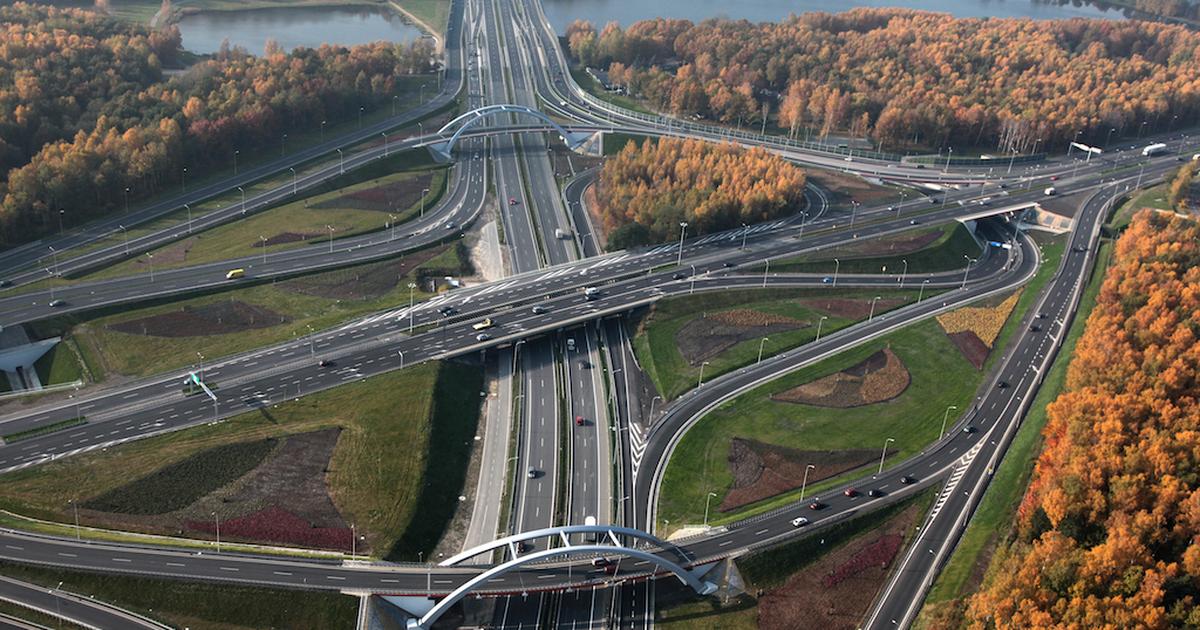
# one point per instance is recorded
(1054, 178)
(816, 505)
(579, 421)
(850, 492)
(512, 201)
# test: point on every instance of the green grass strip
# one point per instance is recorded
(45, 429)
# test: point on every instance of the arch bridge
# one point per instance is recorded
(609, 540)
(442, 150)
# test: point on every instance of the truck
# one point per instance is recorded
(591, 293)
(1049, 191)
(1154, 149)
(484, 324)
(234, 274)
(561, 233)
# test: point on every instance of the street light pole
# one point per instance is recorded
(411, 286)
(745, 231)
(243, 191)
(217, 517)
(682, 230)
(150, 257)
(264, 247)
(903, 274)
(921, 293)
(341, 162)
(804, 483)
(189, 213)
(708, 500)
(401, 352)
(424, 192)
(701, 381)
(884, 454)
(652, 401)
(760, 348)
(871, 315)
(75, 506)
(330, 228)
(837, 266)
(819, 322)
(970, 261)
(293, 181)
(766, 270)
(385, 143)
(946, 416)
(235, 156)
(126, 235)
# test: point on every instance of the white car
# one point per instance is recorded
(799, 522)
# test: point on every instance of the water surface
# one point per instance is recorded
(563, 12)
(293, 27)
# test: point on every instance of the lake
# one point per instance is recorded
(563, 12)
(293, 27)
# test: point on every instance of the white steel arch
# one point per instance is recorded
(609, 531)
(442, 149)
(443, 605)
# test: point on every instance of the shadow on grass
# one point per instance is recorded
(456, 405)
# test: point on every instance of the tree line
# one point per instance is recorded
(88, 119)
(1108, 532)
(644, 192)
(910, 78)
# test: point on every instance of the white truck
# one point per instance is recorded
(1154, 149)
(561, 233)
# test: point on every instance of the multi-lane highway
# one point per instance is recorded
(519, 61)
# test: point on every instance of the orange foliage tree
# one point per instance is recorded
(713, 187)
(1109, 529)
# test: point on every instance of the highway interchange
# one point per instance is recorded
(550, 272)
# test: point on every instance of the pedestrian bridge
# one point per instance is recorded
(442, 150)
(601, 541)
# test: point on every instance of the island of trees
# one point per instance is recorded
(911, 78)
(1108, 534)
(646, 190)
(88, 120)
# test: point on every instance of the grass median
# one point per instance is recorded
(160, 486)
(927, 250)
(680, 335)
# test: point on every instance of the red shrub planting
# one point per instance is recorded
(877, 554)
(277, 525)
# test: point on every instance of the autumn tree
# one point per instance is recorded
(712, 187)
(1109, 529)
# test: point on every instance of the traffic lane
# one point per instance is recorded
(537, 498)
(451, 81)
(690, 406)
(74, 608)
(290, 371)
(902, 595)
(459, 207)
(220, 573)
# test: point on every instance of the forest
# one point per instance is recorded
(88, 119)
(1108, 533)
(909, 78)
(646, 190)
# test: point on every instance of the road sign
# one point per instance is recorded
(196, 380)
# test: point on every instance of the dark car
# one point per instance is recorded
(908, 479)
(912, 221)
(874, 492)
(968, 429)
(816, 505)
(446, 311)
(678, 275)
(325, 363)
(727, 264)
(1035, 328)
(1002, 385)
(5, 283)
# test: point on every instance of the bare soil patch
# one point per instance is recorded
(763, 470)
(217, 318)
(705, 337)
(878, 378)
(846, 187)
(390, 197)
(284, 237)
(362, 283)
(836, 591)
(971, 347)
(847, 308)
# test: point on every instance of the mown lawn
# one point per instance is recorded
(325, 205)
(59, 365)
(201, 604)
(396, 458)
(657, 350)
(992, 520)
(940, 377)
(944, 254)
(435, 13)
(139, 355)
